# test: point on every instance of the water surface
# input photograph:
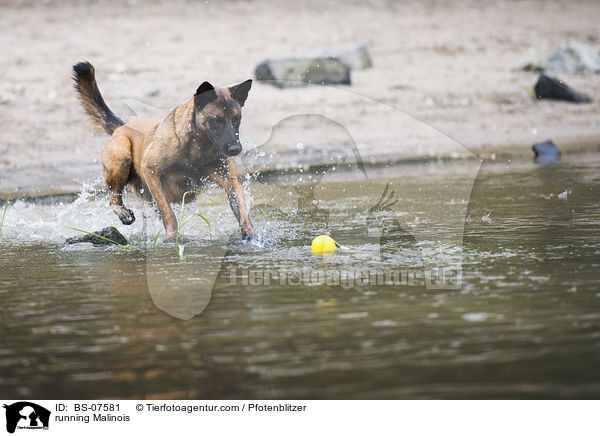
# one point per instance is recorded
(524, 321)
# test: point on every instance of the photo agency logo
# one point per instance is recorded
(25, 415)
(333, 164)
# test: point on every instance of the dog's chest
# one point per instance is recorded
(195, 156)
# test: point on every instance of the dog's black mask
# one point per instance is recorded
(218, 113)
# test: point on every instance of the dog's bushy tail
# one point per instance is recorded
(91, 99)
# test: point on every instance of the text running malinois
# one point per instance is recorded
(195, 142)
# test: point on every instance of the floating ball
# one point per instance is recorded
(322, 244)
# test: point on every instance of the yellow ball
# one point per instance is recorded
(322, 244)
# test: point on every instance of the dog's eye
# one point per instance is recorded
(213, 123)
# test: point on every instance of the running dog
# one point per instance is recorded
(194, 143)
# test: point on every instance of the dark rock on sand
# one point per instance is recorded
(551, 88)
(116, 238)
(546, 152)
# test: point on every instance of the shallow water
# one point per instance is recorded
(521, 320)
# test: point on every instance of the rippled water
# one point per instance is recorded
(523, 321)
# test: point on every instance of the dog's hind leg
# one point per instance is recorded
(117, 162)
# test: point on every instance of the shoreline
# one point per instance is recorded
(509, 151)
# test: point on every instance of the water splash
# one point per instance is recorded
(50, 220)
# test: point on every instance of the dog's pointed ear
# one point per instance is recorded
(205, 87)
(204, 95)
(240, 92)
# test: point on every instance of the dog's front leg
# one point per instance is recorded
(152, 177)
(226, 177)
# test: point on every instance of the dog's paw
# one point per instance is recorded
(125, 215)
(249, 236)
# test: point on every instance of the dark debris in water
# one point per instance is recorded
(106, 236)
(546, 152)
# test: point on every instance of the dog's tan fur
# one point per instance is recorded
(168, 157)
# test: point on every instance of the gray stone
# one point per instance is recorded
(575, 57)
(355, 56)
(300, 71)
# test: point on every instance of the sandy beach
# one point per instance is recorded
(443, 66)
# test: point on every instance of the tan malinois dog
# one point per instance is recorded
(194, 143)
